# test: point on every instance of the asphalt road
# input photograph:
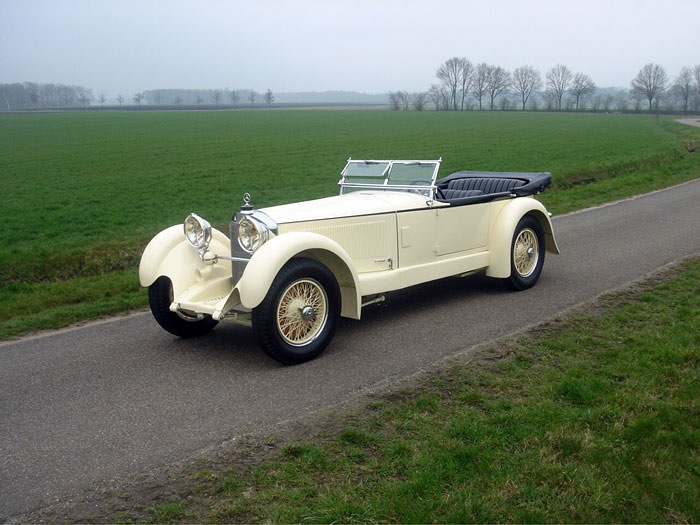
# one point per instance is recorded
(82, 406)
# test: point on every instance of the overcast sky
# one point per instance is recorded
(372, 46)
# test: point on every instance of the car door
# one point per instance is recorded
(436, 242)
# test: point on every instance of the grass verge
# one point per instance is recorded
(593, 417)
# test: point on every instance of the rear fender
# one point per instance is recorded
(267, 261)
(503, 228)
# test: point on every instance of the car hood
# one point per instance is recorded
(351, 204)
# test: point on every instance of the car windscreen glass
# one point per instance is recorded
(392, 175)
(359, 174)
(412, 174)
(366, 172)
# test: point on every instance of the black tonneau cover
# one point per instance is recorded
(467, 187)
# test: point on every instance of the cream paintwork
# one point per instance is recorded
(373, 242)
(169, 254)
(502, 228)
(355, 204)
(271, 256)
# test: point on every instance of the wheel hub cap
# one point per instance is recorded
(302, 312)
(526, 252)
(307, 313)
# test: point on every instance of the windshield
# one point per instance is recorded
(394, 175)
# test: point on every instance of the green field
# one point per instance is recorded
(84, 192)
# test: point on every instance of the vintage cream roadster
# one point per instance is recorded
(290, 271)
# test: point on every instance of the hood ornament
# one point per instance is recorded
(247, 207)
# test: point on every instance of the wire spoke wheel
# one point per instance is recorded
(526, 251)
(302, 312)
(526, 254)
(297, 319)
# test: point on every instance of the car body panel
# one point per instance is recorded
(269, 259)
(169, 254)
(355, 204)
(374, 238)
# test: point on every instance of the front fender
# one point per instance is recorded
(169, 254)
(266, 263)
(503, 228)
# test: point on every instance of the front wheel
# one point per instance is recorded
(181, 324)
(296, 321)
(526, 254)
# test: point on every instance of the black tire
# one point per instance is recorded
(160, 296)
(297, 319)
(526, 254)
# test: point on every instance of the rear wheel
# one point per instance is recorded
(181, 324)
(296, 321)
(526, 254)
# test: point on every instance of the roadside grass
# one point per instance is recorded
(85, 192)
(33, 307)
(593, 417)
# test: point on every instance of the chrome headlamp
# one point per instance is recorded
(252, 234)
(197, 232)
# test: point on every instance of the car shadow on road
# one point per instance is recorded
(231, 345)
(431, 298)
(227, 345)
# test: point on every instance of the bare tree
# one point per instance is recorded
(269, 98)
(650, 82)
(418, 100)
(456, 76)
(440, 97)
(603, 102)
(84, 96)
(251, 96)
(404, 99)
(526, 79)
(216, 97)
(683, 86)
(394, 102)
(467, 79)
(102, 99)
(622, 100)
(449, 74)
(582, 86)
(497, 82)
(558, 80)
(696, 78)
(34, 95)
(399, 100)
(120, 99)
(480, 81)
(138, 97)
(64, 95)
(235, 96)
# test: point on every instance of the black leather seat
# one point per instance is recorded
(450, 194)
(484, 184)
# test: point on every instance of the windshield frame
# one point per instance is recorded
(390, 175)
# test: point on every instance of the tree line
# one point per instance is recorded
(33, 95)
(461, 86)
(30, 95)
(464, 86)
(198, 97)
